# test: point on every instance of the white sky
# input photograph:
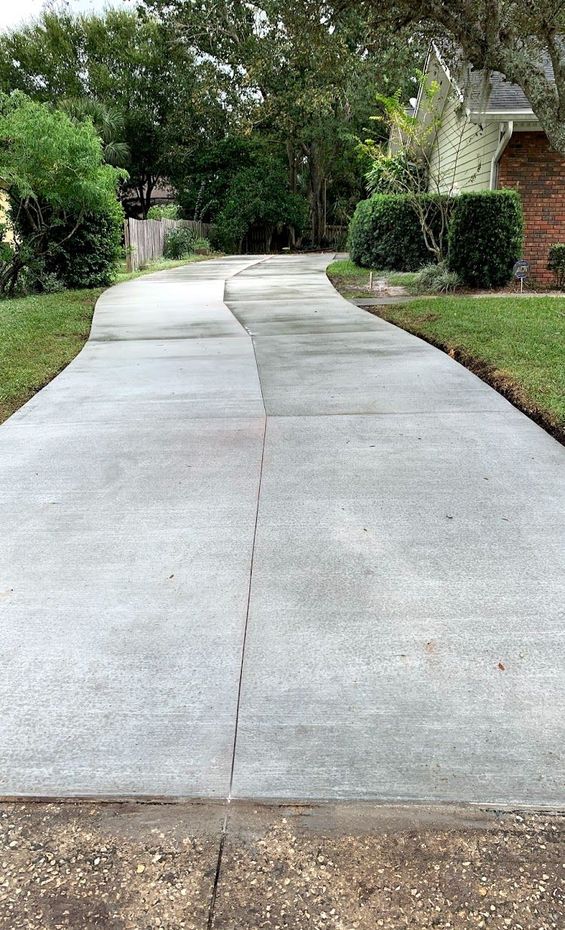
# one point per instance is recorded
(14, 12)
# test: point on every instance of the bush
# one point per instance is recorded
(169, 211)
(6, 249)
(87, 259)
(202, 246)
(180, 242)
(385, 232)
(556, 264)
(54, 172)
(436, 279)
(486, 237)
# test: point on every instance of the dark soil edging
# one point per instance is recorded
(489, 374)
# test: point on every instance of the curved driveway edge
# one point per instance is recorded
(357, 596)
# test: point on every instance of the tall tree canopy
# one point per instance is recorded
(195, 91)
(164, 100)
(306, 78)
(514, 37)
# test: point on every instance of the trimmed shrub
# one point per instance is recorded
(556, 264)
(180, 242)
(436, 279)
(89, 258)
(486, 237)
(385, 232)
(85, 257)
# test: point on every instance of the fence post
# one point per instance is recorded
(128, 247)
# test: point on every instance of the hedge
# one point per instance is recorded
(385, 233)
(486, 236)
(89, 258)
(86, 256)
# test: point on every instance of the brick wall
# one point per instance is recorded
(532, 167)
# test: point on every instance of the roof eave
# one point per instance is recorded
(503, 116)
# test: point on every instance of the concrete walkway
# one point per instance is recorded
(258, 543)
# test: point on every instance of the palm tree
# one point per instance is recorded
(108, 123)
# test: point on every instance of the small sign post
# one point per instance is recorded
(521, 271)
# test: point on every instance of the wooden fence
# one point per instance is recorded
(145, 239)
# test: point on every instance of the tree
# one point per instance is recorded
(258, 196)
(108, 123)
(510, 36)
(305, 79)
(128, 67)
(54, 172)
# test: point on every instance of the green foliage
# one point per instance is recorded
(6, 248)
(556, 263)
(436, 279)
(393, 174)
(202, 246)
(47, 156)
(169, 211)
(146, 94)
(55, 175)
(304, 77)
(180, 242)
(486, 237)
(108, 123)
(90, 256)
(188, 91)
(385, 231)
(258, 196)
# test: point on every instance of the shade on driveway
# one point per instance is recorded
(259, 543)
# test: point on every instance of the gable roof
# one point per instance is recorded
(506, 101)
(504, 96)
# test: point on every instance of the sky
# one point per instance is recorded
(14, 12)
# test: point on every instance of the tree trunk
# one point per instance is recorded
(292, 173)
(316, 184)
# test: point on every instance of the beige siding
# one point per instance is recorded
(8, 235)
(462, 154)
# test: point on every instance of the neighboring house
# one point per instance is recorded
(490, 138)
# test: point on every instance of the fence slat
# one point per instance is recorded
(145, 239)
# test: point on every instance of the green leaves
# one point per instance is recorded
(46, 156)
(486, 237)
(53, 169)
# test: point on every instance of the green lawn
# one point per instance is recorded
(39, 335)
(42, 333)
(517, 344)
(353, 281)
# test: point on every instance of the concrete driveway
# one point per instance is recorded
(258, 543)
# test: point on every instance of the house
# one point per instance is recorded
(488, 137)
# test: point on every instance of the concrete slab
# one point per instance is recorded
(129, 493)
(381, 570)
(156, 379)
(125, 570)
(379, 621)
(381, 371)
